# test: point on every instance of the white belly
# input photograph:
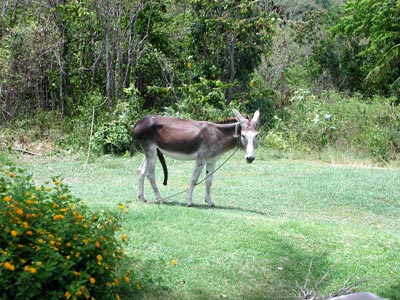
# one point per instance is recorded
(180, 156)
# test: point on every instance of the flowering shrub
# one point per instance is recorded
(53, 247)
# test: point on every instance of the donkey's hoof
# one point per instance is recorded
(160, 201)
(210, 203)
(190, 204)
(142, 199)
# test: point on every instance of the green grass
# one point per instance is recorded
(272, 218)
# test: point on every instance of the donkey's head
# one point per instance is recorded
(248, 134)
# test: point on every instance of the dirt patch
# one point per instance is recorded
(23, 144)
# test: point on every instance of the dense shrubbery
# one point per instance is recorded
(53, 247)
(113, 137)
(312, 123)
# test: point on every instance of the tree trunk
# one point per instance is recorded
(231, 48)
(108, 58)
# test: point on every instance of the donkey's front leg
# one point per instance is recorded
(193, 180)
(209, 177)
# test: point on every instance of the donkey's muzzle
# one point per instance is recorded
(250, 159)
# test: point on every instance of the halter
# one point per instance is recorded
(236, 130)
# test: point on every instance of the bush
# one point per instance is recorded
(53, 247)
(307, 123)
(311, 123)
(113, 137)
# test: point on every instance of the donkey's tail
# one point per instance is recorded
(132, 148)
(164, 166)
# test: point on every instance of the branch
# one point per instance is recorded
(311, 293)
(347, 290)
(25, 151)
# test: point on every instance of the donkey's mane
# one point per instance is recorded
(229, 120)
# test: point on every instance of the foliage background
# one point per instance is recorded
(68, 65)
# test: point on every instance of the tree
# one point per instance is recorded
(56, 54)
(367, 32)
(228, 38)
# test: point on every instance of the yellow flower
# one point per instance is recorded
(127, 279)
(14, 233)
(99, 257)
(29, 232)
(30, 269)
(58, 217)
(57, 182)
(25, 224)
(7, 198)
(63, 197)
(123, 237)
(38, 263)
(92, 280)
(97, 244)
(68, 244)
(78, 216)
(48, 189)
(9, 266)
(67, 295)
(19, 211)
(12, 175)
(38, 188)
(174, 262)
(121, 206)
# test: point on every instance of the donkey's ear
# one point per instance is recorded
(256, 116)
(239, 117)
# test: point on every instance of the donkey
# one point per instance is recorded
(182, 139)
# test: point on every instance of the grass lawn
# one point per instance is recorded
(272, 219)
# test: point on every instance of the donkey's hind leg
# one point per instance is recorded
(141, 173)
(151, 158)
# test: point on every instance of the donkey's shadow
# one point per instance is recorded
(217, 207)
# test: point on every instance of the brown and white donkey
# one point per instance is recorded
(182, 139)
